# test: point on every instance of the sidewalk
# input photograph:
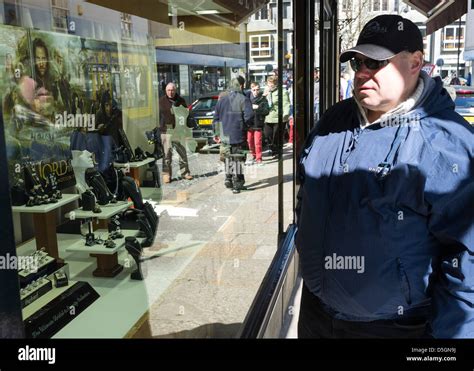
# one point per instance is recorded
(216, 247)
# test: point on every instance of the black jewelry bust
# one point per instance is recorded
(135, 249)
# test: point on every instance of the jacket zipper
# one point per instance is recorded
(350, 148)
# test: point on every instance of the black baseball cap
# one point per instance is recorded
(385, 36)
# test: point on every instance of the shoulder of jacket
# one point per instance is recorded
(337, 114)
(341, 108)
(447, 126)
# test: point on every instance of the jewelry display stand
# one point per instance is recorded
(44, 219)
(107, 259)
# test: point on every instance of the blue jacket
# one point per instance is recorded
(412, 229)
(234, 112)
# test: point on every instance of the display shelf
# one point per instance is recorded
(29, 310)
(43, 209)
(122, 301)
(107, 258)
(108, 211)
(152, 194)
(80, 246)
(134, 165)
(44, 219)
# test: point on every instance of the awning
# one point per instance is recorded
(230, 12)
(439, 13)
(217, 18)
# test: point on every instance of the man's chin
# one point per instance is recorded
(368, 103)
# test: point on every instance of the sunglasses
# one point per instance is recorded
(371, 64)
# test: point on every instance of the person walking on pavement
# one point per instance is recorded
(316, 95)
(254, 133)
(385, 210)
(272, 126)
(233, 112)
(167, 104)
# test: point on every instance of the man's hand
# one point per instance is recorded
(216, 139)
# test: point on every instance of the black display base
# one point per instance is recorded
(60, 311)
(45, 287)
(45, 270)
(70, 227)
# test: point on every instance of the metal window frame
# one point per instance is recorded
(11, 321)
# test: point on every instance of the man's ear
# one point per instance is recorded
(416, 61)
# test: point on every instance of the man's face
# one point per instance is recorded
(170, 91)
(41, 60)
(255, 90)
(316, 75)
(383, 89)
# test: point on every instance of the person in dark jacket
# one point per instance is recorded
(233, 112)
(385, 210)
(168, 121)
(254, 133)
(105, 139)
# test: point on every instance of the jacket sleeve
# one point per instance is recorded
(216, 119)
(181, 102)
(263, 108)
(449, 192)
(286, 105)
(248, 111)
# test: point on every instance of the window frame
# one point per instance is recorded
(455, 40)
(382, 5)
(261, 49)
(126, 24)
(57, 7)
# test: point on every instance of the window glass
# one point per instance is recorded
(157, 216)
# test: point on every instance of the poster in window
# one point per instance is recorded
(42, 84)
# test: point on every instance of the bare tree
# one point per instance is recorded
(353, 15)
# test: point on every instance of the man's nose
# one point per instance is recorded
(363, 72)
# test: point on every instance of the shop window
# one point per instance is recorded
(261, 46)
(60, 14)
(95, 100)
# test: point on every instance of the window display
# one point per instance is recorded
(85, 158)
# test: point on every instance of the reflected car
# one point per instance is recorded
(201, 114)
(465, 102)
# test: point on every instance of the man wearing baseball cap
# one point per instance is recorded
(385, 209)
